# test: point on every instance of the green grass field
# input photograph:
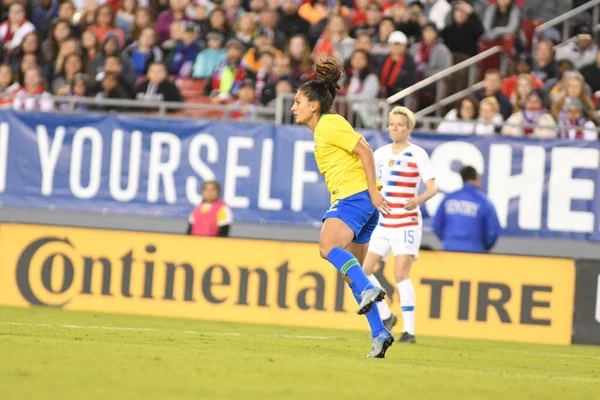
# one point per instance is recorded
(56, 354)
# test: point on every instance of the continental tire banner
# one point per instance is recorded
(586, 324)
(458, 295)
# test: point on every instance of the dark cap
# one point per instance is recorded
(430, 25)
(189, 26)
(584, 30)
(215, 36)
(248, 83)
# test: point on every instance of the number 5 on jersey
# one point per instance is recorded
(409, 237)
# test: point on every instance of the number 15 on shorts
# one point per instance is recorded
(409, 237)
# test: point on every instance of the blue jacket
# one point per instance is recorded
(467, 221)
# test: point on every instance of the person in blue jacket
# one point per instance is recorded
(466, 219)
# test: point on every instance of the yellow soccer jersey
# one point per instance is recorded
(334, 141)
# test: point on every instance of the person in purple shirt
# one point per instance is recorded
(176, 12)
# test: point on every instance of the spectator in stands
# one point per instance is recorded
(535, 116)
(110, 48)
(9, 86)
(298, 50)
(335, 40)
(181, 61)
(43, 13)
(176, 12)
(545, 67)
(591, 74)
(234, 9)
(80, 87)
(111, 90)
(87, 16)
(581, 52)
(126, 15)
(59, 31)
(217, 22)
(113, 65)
(33, 96)
(431, 57)
(245, 106)
(556, 87)
(501, 24)
(73, 65)
(66, 47)
(437, 11)
(524, 63)
(245, 28)
(157, 86)
(142, 19)
(268, 21)
(29, 45)
(525, 85)
(314, 11)
(399, 69)
(104, 24)
(281, 69)
(290, 22)
(144, 51)
(265, 61)
(466, 220)
(460, 120)
(575, 126)
(371, 25)
(28, 62)
(14, 29)
(90, 46)
(492, 83)
(228, 77)
(489, 120)
(412, 20)
(574, 90)
(263, 43)
(363, 84)
(208, 59)
(386, 28)
(461, 35)
(256, 6)
(284, 86)
(212, 217)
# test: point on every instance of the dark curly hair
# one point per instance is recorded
(326, 81)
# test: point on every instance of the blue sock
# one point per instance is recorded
(348, 265)
(372, 316)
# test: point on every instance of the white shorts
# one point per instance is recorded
(397, 240)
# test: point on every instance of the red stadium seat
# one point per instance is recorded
(190, 88)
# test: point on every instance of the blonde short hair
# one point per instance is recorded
(492, 102)
(399, 110)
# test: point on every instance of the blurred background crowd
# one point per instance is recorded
(247, 52)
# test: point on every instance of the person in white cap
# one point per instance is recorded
(399, 69)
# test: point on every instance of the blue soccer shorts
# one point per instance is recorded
(358, 213)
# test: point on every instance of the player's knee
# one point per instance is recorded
(324, 251)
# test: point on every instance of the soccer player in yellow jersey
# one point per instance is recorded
(346, 161)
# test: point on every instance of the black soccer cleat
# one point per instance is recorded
(390, 322)
(407, 338)
(380, 344)
(368, 298)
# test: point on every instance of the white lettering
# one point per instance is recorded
(192, 184)
(95, 138)
(163, 170)
(447, 178)
(563, 189)
(300, 175)
(462, 207)
(528, 186)
(233, 171)
(265, 202)
(116, 166)
(49, 155)
(3, 154)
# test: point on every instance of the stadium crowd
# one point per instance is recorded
(246, 52)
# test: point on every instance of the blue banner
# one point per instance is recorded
(148, 166)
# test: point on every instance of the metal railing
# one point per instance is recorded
(566, 17)
(470, 63)
(449, 100)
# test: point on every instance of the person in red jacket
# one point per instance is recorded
(212, 217)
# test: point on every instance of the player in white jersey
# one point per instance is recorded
(401, 167)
